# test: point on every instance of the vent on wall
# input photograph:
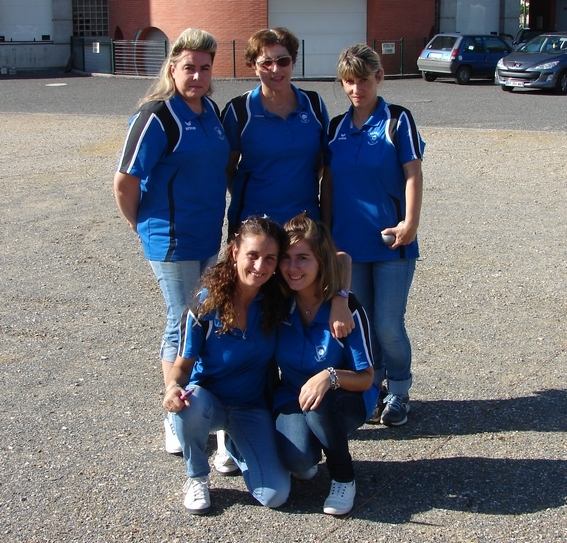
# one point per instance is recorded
(45, 37)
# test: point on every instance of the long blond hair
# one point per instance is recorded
(191, 39)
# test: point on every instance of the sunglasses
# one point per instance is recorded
(266, 64)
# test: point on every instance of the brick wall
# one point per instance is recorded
(390, 20)
(230, 20)
(226, 20)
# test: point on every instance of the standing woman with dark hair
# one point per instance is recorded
(276, 133)
(327, 388)
(372, 189)
(219, 377)
(170, 184)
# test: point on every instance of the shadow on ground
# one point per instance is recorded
(537, 413)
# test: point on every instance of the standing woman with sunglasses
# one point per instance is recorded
(275, 132)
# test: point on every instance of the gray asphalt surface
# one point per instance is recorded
(483, 457)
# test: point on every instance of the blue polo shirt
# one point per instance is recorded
(303, 352)
(233, 366)
(183, 193)
(278, 171)
(369, 182)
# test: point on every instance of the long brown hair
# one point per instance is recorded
(317, 235)
(221, 281)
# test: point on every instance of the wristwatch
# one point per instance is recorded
(343, 293)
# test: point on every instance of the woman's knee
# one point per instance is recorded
(273, 497)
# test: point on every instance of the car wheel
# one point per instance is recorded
(562, 83)
(463, 75)
(505, 88)
(428, 76)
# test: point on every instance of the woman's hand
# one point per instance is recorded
(406, 230)
(176, 399)
(403, 233)
(312, 391)
(341, 321)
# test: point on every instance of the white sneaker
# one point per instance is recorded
(172, 444)
(340, 499)
(225, 464)
(306, 475)
(197, 499)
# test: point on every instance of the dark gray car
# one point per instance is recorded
(539, 64)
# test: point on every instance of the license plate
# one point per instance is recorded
(435, 55)
(516, 83)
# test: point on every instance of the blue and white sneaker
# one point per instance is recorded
(396, 409)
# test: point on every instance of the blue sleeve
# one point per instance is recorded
(191, 336)
(145, 145)
(230, 123)
(410, 143)
(358, 349)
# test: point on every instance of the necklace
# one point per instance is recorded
(243, 330)
(311, 311)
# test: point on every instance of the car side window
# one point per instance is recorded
(473, 45)
(494, 45)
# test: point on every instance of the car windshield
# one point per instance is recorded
(442, 43)
(546, 44)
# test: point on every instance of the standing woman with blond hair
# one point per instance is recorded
(170, 183)
(371, 199)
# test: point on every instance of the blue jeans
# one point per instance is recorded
(302, 434)
(251, 443)
(382, 288)
(178, 281)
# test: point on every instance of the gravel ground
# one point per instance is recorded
(483, 457)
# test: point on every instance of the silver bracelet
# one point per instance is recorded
(334, 378)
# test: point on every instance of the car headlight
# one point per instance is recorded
(500, 64)
(546, 65)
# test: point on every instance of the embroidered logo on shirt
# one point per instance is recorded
(342, 136)
(320, 353)
(189, 126)
(219, 132)
(373, 136)
(304, 117)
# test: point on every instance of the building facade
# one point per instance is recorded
(37, 33)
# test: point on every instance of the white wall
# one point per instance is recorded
(480, 16)
(22, 21)
(327, 26)
(25, 20)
